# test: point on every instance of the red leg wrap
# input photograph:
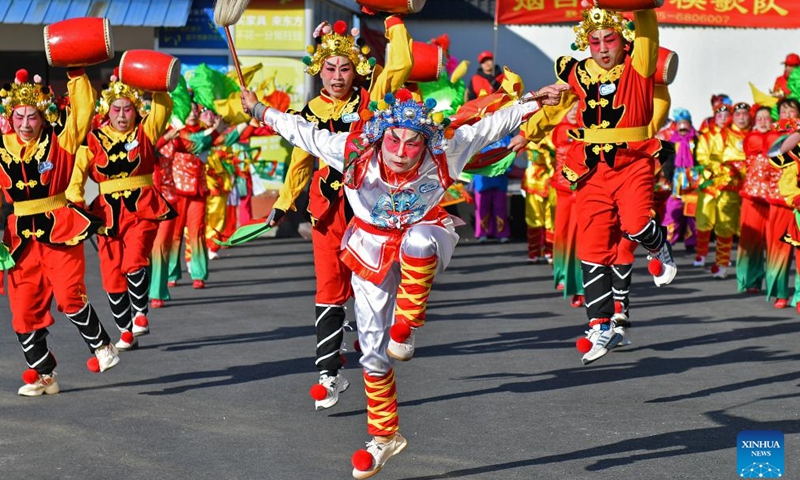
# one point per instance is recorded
(381, 393)
(703, 239)
(416, 279)
(535, 242)
(724, 245)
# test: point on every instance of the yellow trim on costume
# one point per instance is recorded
(614, 135)
(129, 183)
(25, 208)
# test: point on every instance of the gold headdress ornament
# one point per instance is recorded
(336, 42)
(117, 90)
(599, 19)
(23, 92)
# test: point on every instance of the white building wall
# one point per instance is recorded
(712, 60)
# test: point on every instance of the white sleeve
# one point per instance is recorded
(471, 139)
(303, 134)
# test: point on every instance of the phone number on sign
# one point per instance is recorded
(701, 18)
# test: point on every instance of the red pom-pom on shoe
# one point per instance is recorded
(655, 267)
(126, 336)
(30, 376)
(318, 392)
(617, 307)
(362, 460)
(357, 346)
(583, 345)
(715, 269)
(93, 364)
(141, 321)
(340, 27)
(400, 332)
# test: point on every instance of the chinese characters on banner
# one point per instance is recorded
(277, 25)
(717, 13)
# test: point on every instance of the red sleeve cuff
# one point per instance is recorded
(393, 20)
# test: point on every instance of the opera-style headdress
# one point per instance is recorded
(337, 42)
(400, 110)
(116, 90)
(23, 92)
(599, 19)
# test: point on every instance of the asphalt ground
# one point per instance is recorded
(496, 390)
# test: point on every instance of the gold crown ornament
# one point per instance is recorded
(337, 42)
(116, 90)
(23, 92)
(599, 19)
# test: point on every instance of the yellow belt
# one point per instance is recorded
(130, 183)
(40, 205)
(614, 135)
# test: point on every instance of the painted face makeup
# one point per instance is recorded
(607, 48)
(337, 75)
(402, 149)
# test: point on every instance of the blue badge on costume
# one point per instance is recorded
(45, 166)
(607, 89)
(132, 145)
(428, 187)
(351, 117)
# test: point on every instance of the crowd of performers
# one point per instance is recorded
(380, 157)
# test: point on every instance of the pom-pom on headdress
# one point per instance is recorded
(337, 42)
(402, 111)
(34, 94)
(599, 19)
(116, 90)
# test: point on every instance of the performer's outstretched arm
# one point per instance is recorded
(304, 134)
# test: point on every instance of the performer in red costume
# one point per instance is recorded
(612, 161)
(45, 232)
(342, 66)
(120, 158)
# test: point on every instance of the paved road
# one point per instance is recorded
(219, 390)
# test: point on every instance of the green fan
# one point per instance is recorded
(245, 233)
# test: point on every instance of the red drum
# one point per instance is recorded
(149, 70)
(667, 66)
(392, 6)
(78, 42)
(428, 62)
(628, 5)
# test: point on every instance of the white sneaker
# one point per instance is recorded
(668, 267)
(140, 325)
(334, 386)
(721, 273)
(699, 261)
(402, 351)
(127, 342)
(381, 452)
(107, 357)
(602, 342)
(46, 384)
(621, 325)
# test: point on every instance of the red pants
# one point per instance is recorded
(44, 271)
(610, 199)
(127, 252)
(333, 276)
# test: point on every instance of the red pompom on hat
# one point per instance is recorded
(583, 345)
(126, 336)
(340, 27)
(655, 267)
(362, 460)
(400, 332)
(318, 392)
(30, 376)
(403, 95)
(21, 76)
(93, 364)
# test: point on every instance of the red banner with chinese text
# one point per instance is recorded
(714, 13)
